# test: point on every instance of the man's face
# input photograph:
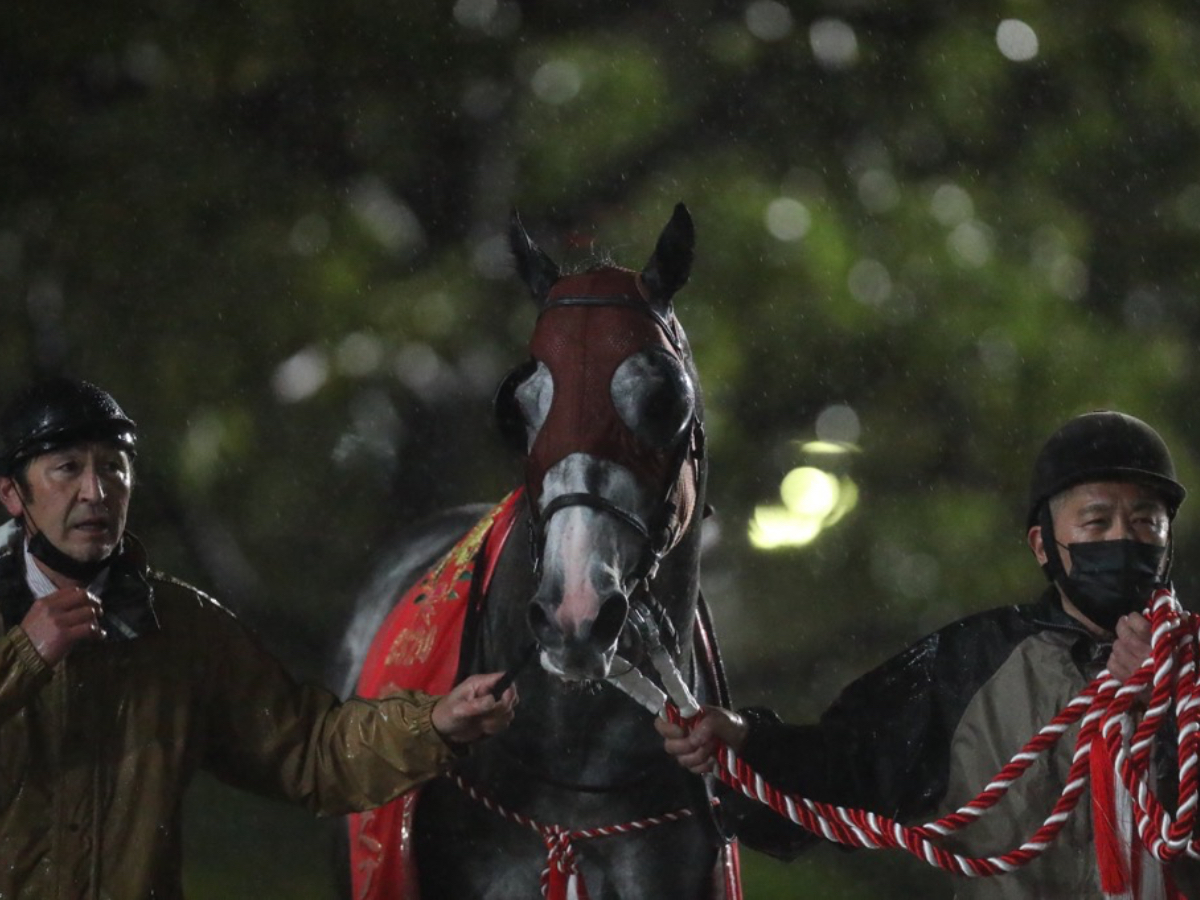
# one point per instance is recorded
(1101, 511)
(77, 496)
(1109, 511)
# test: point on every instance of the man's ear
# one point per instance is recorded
(1037, 545)
(10, 495)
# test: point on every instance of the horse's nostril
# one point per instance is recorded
(543, 629)
(610, 620)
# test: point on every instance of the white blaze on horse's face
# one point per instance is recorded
(591, 553)
(588, 559)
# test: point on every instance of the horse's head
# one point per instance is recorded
(606, 414)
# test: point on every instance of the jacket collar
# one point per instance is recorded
(128, 597)
(1089, 652)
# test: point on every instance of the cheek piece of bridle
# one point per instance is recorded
(588, 326)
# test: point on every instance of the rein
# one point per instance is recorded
(1105, 709)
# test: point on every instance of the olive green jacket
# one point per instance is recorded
(96, 753)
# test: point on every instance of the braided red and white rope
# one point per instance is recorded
(1104, 705)
(561, 879)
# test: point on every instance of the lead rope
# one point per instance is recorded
(1105, 709)
(561, 879)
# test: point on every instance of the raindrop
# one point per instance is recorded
(359, 354)
(1068, 276)
(878, 191)
(834, 43)
(492, 259)
(839, 424)
(870, 282)
(951, 205)
(300, 376)
(557, 82)
(1016, 40)
(475, 13)
(419, 368)
(971, 243)
(787, 219)
(386, 216)
(769, 20)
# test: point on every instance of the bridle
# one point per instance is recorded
(671, 515)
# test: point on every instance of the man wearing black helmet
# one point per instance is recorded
(923, 734)
(118, 683)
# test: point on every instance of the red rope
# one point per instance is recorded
(561, 875)
(1103, 705)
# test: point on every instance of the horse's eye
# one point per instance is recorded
(523, 402)
(654, 396)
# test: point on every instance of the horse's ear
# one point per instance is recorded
(537, 270)
(669, 267)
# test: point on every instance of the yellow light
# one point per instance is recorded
(776, 526)
(827, 448)
(847, 500)
(813, 500)
(809, 492)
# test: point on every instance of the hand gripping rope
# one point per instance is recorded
(1100, 753)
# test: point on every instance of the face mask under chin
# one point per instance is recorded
(45, 552)
(1109, 579)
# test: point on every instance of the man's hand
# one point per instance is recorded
(1131, 647)
(57, 622)
(470, 711)
(697, 749)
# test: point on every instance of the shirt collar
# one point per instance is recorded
(41, 585)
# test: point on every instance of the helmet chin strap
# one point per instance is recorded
(41, 548)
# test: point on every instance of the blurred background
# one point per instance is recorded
(927, 235)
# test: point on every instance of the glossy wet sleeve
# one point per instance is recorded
(272, 735)
(22, 672)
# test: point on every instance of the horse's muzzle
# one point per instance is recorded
(578, 648)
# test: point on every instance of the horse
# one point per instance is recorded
(598, 567)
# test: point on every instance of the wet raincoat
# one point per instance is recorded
(925, 732)
(95, 754)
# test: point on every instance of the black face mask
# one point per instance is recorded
(1111, 578)
(83, 572)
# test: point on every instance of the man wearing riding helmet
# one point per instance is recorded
(117, 683)
(924, 733)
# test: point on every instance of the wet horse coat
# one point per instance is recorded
(608, 417)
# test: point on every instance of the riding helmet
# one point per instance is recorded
(1103, 445)
(58, 412)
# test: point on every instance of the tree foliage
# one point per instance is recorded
(275, 231)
